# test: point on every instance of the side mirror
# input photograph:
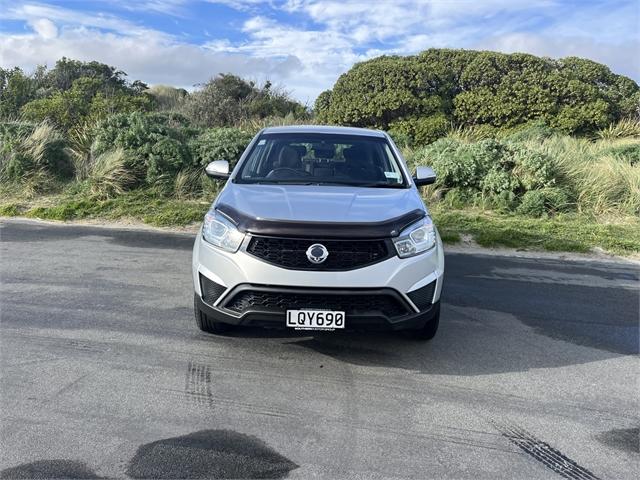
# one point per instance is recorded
(424, 176)
(218, 169)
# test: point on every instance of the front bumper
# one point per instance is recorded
(241, 289)
(369, 321)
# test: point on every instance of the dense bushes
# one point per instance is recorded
(536, 176)
(493, 126)
(160, 150)
(32, 153)
(230, 100)
(414, 94)
(421, 130)
(158, 143)
(70, 94)
(75, 93)
(220, 144)
(489, 166)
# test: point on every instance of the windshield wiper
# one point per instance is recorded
(371, 184)
(345, 184)
(281, 182)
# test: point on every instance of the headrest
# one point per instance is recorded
(356, 155)
(324, 151)
(301, 149)
(288, 158)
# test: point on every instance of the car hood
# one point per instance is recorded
(313, 203)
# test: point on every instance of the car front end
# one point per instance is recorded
(319, 256)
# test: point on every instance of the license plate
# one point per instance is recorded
(315, 319)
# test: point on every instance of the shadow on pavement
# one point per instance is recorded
(469, 342)
(209, 454)
(49, 469)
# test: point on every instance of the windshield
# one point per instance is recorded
(322, 159)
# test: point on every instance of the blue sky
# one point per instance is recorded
(304, 45)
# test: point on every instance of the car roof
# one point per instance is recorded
(327, 129)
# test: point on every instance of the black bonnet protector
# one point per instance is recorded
(289, 228)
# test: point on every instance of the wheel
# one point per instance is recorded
(205, 323)
(428, 331)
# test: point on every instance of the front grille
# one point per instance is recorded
(211, 291)
(423, 296)
(352, 303)
(343, 254)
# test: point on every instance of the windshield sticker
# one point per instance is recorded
(395, 175)
(262, 142)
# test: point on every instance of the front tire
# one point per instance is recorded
(206, 324)
(429, 330)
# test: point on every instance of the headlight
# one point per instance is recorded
(219, 231)
(415, 239)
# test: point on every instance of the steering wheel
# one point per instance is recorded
(299, 173)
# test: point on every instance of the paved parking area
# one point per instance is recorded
(103, 373)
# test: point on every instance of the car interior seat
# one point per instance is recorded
(360, 165)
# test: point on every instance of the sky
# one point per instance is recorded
(304, 45)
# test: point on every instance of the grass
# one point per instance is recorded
(604, 174)
(599, 179)
(565, 233)
(138, 205)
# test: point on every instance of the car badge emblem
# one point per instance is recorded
(317, 253)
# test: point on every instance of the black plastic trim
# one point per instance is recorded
(391, 252)
(277, 320)
(315, 291)
(423, 296)
(303, 229)
(211, 291)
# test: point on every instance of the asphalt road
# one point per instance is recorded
(533, 374)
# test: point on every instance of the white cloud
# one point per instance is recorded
(621, 58)
(44, 27)
(306, 44)
(154, 61)
(32, 12)
(368, 20)
(242, 5)
(316, 57)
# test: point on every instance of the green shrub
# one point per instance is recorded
(219, 144)
(29, 151)
(428, 129)
(490, 172)
(536, 130)
(166, 158)
(157, 143)
(421, 130)
(574, 95)
(401, 138)
(532, 169)
(167, 97)
(228, 100)
(504, 201)
(536, 203)
(454, 163)
(498, 181)
(629, 152)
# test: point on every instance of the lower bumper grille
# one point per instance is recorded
(383, 302)
(211, 291)
(423, 296)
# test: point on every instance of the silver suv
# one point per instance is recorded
(319, 228)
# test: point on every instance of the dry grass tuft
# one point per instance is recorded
(109, 175)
